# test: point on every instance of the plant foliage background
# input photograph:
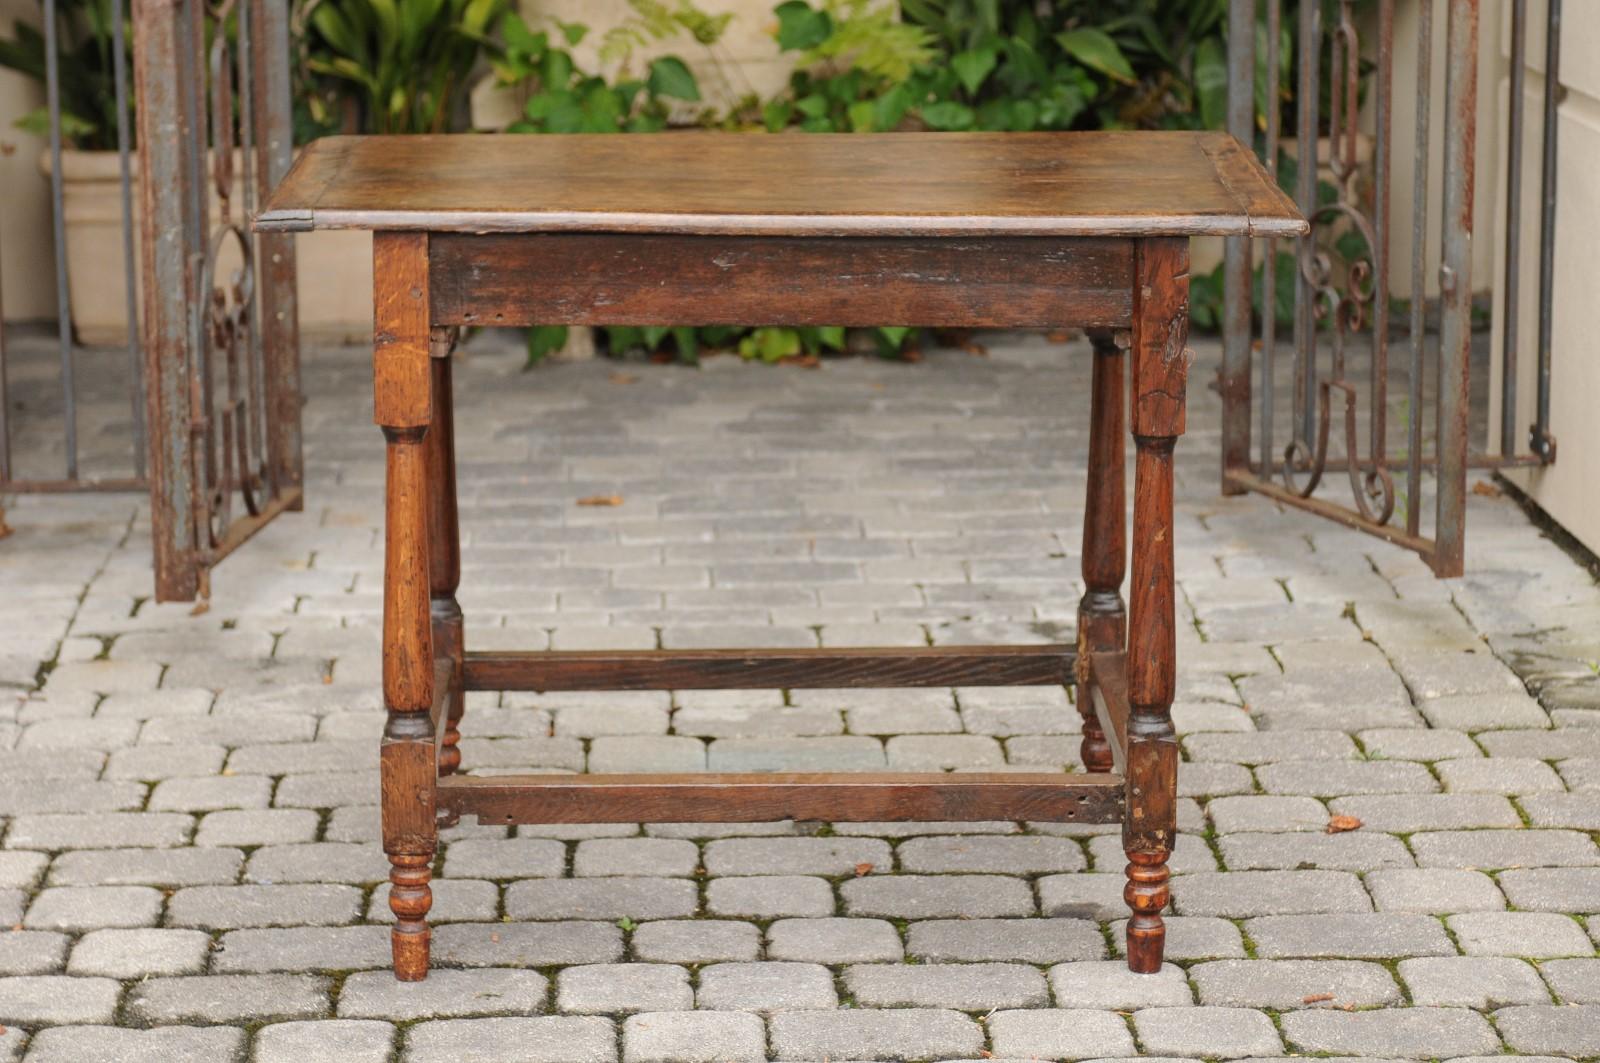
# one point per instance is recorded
(406, 66)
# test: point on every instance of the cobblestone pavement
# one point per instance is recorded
(188, 864)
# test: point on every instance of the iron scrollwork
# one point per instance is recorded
(228, 429)
(1344, 309)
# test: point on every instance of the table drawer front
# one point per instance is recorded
(620, 279)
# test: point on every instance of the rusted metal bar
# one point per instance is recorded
(1307, 97)
(1455, 285)
(1511, 295)
(1419, 259)
(58, 229)
(167, 119)
(1382, 165)
(279, 315)
(1237, 327)
(1269, 264)
(1540, 439)
(130, 294)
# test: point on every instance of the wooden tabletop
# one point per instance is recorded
(732, 184)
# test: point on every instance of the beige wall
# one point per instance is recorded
(27, 263)
(1569, 490)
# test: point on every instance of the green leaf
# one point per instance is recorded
(544, 340)
(973, 68)
(863, 116)
(800, 26)
(891, 339)
(770, 344)
(947, 115)
(813, 106)
(555, 69)
(776, 115)
(1211, 82)
(669, 76)
(688, 344)
(519, 37)
(1095, 49)
(831, 336)
(574, 32)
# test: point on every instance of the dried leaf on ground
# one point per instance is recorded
(601, 500)
(1340, 824)
(1486, 489)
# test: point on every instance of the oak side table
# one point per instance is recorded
(960, 230)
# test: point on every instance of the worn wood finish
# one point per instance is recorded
(444, 544)
(1108, 694)
(1086, 229)
(844, 797)
(1160, 367)
(920, 666)
(408, 758)
(621, 279)
(895, 184)
(1102, 618)
(401, 341)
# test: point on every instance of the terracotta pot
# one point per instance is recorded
(335, 268)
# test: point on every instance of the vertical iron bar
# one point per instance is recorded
(1419, 264)
(1541, 440)
(130, 278)
(280, 328)
(1512, 296)
(1237, 326)
(166, 126)
(1309, 88)
(1383, 156)
(1455, 285)
(1269, 264)
(251, 462)
(58, 226)
(5, 399)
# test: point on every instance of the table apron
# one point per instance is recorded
(659, 279)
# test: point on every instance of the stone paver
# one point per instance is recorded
(345, 1040)
(889, 1033)
(164, 1044)
(694, 1037)
(1483, 982)
(1228, 1032)
(1417, 1033)
(1066, 1033)
(546, 1039)
(191, 840)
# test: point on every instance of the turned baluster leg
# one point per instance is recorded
(1160, 370)
(1102, 619)
(408, 768)
(444, 543)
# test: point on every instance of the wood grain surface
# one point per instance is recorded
(844, 797)
(656, 279)
(728, 184)
(742, 669)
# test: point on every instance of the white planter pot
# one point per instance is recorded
(334, 268)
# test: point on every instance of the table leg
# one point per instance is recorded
(1102, 618)
(408, 766)
(1160, 370)
(444, 544)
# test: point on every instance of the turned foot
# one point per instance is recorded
(410, 897)
(1146, 894)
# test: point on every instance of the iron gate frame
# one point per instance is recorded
(1364, 304)
(204, 456)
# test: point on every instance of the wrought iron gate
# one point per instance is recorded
(220, 328)
(1343, 273)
